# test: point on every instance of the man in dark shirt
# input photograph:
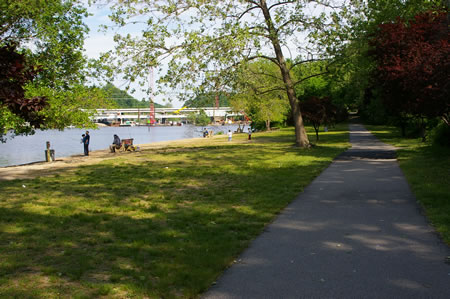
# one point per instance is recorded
(86, 140)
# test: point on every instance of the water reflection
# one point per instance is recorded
(28, 149)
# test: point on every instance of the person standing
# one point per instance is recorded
(86, 140)
(230, 135)
(249, 133)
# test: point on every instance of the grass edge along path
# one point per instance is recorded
(156, 223)
(427, 170)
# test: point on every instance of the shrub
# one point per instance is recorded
(441, 135)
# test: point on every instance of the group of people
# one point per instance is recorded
(117, 143)
(85, 139)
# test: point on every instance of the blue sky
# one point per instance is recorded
(98, 42)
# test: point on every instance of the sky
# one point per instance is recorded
(98, 42)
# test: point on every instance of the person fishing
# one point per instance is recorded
(115, 145)
(85, 141)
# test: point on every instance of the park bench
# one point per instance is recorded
(127, 145)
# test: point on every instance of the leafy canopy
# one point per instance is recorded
(48, 36)
(260, 93)
(413, 65)
(198, 44)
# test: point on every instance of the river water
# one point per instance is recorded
(27, 149)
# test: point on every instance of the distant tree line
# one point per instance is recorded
(121, 99)
(207, 100)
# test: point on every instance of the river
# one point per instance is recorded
(27, 149)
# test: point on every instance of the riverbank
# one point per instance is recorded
(22, 150)
(162, 222)
(35, 169)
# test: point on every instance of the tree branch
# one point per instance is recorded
(248, 10)
(258, 92)
(266, 74)
(305, 61)
(281, 3)
(309, 77)
(274, 60)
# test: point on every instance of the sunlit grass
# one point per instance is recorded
(427, 169)
(160, 223)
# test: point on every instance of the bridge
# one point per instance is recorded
(162, 115)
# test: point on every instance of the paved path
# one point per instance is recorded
(355, 232)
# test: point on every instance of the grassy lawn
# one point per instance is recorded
(427, 169)
(161, 223)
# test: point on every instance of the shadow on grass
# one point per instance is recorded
(162, 224)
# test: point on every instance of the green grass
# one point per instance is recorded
(156, 223)
(427, 169)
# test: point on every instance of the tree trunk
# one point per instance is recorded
(403, 127)
(301, 138)
(423, 130)
(316, 128)
(268, 125)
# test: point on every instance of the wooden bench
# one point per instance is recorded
(127, 145)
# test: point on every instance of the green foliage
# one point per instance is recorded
(316, 86)
(441, 135)
(259, 92)
(122, 99)
(199, 119)
(207, 100)
(69, 107)
(10, 120)
(355, 66)
(51, 34)
(318, 111)
(204, 42)
(374, 112)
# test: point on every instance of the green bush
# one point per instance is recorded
(374, 112)
(441, 135)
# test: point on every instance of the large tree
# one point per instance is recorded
(46, 38)
(319, 111)
(200, 39)
(52, 32)
(357, 66)
(413, 65)
(16, 109)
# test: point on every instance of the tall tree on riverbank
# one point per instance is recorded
(48, 36)
(15, 108)
(199, 38)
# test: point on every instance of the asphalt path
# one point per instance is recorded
(355, 232)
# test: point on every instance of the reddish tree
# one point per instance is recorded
(413, 65)
(318, 111)
(14, 75)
